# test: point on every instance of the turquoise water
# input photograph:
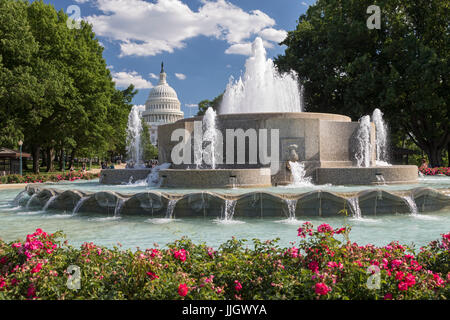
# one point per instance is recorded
(142, 232)
(436, 182)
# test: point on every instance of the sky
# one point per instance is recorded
(202, 42)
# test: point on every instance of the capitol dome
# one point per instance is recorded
(162, 106)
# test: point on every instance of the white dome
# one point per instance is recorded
(162, 91)
(162, 106)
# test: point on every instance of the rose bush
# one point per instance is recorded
(323, 264)
(435, 171)
(33, 178)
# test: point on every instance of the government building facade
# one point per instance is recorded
(161, 107)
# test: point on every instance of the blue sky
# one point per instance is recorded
(202, 42)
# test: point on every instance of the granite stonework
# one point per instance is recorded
(320, 140)
(303, 129)
(218, 178)
(252, 204)
(123, 176)
(324, 143)
(367, 176)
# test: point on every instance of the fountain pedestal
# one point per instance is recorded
(367, 176)
(217, 178)
(123, 176)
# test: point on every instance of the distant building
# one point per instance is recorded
(10, 161)
(162, 106)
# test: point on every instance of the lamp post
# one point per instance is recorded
(20, 164)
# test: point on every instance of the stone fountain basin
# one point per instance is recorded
(215, 178)
(396, 174)
(121, 176)
(252, 204)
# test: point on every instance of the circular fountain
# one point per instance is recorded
(261, 156)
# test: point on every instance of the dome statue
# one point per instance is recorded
(162, 106)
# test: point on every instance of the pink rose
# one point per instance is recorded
(321, 288)
(183, 289)
(237, 286)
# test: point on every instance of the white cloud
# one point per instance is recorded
(81, 1)
(191, 105)
(124, 79)
(245, 48)
(153, 76)
(240, 48)
(228, 66)
(304, 3)
(148, 28)
(180, 76)
(271, 34)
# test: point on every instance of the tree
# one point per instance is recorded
(205, 104)
(149, 150)
(56, 92)
(17, 83)
(401, 68)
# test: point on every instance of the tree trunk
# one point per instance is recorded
(24, 163)
(448, 154)
(44, 159)
(50, 155)
(36, 152)
(435, 156)
(61, 159)
(72, 157)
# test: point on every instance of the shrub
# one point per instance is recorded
(435, 171)
(37, 178)
(320, 267)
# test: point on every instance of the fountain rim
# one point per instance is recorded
(291, 115)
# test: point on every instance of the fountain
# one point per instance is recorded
(262, 88)
(299, 174)
(296, 165)
(136, 170)
(261, 127)
(363, 151)
(381, 138)
(210, 138)
(134, 133)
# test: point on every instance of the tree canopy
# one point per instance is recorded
(401, 68)
(56, 92)
(205, 104)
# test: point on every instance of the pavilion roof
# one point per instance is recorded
(12, 154)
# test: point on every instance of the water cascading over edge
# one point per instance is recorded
(299, 175)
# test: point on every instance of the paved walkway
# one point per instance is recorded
(13, 186)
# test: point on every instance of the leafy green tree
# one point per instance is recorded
(205, 104)
(402, 68)
(17, 83)
(56, 92)
(150, 152)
